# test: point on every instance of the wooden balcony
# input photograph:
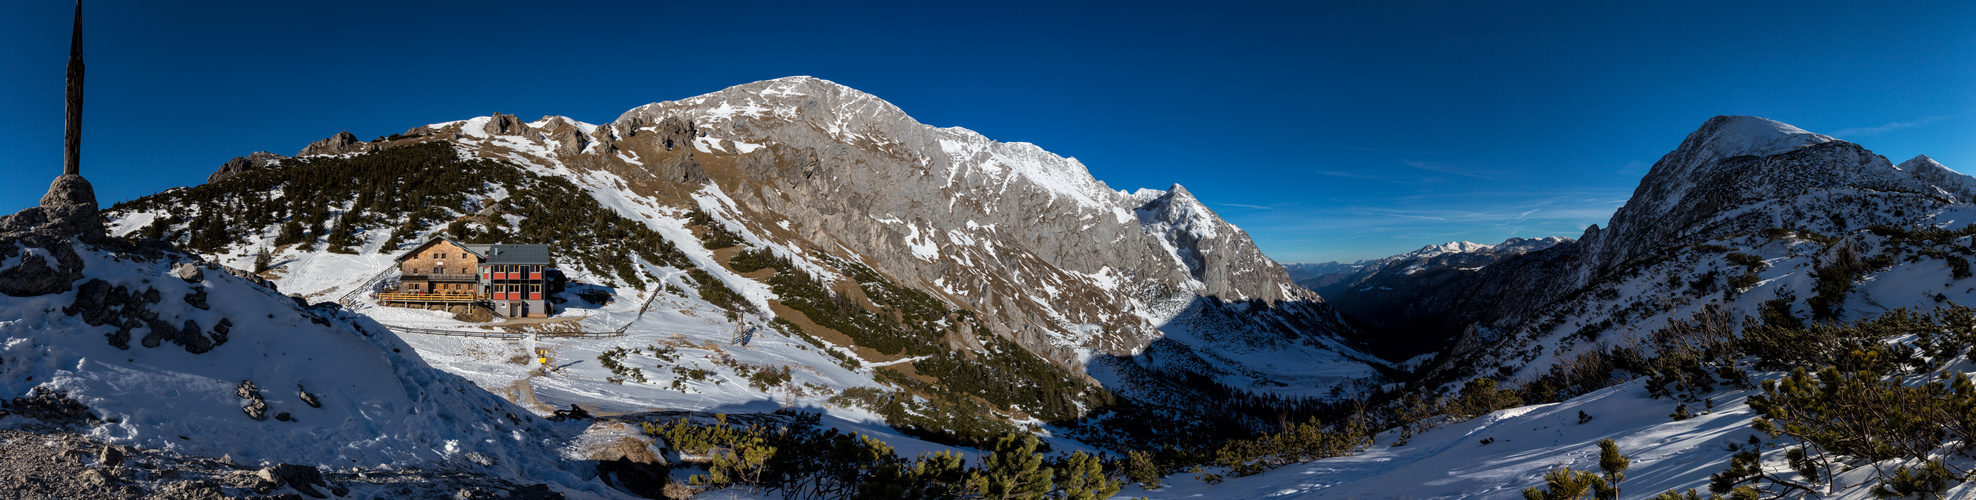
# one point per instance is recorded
(442, 277)
(450, 298)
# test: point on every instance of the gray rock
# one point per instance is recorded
(51, 407)
(309, 399)
(197, 298)
(111, 456)
(188, 271)
(247, 390)
(256, 407)
(241, 164)
(35, 276)
(189, 336)
(302, 478)
(249, 276)
(342, 142)
(69, 189)
(220, 331)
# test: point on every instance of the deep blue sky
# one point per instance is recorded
(1328, 131)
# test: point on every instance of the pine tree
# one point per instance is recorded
(1084, 479)
(1563, 483)
(1013, 472)
(262, 261)
(1614, 465)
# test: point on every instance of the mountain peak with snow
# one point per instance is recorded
(1728, 136)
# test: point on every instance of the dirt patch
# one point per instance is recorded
(828, 334)
(911, 371)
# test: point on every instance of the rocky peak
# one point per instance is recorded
(1729, 136)
(341, 143)
(504, 124)
(1728, 161)
(1955, 186)
(241, 164)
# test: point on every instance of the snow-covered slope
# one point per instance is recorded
(1757, 206)
(171, 353)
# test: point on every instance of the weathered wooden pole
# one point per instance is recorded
(72, 130)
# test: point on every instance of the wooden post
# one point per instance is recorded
(72, 128)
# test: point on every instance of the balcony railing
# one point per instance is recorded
(388, 298)
(467, 278)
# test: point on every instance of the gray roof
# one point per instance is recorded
(500, 253)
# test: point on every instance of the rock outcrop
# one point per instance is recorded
(39, 241)
(241, 164)
(342, 143)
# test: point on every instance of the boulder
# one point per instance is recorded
(70, 189)
(302, 478)
(111, 456)
(188, 271)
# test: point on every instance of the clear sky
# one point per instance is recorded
(1328, 130)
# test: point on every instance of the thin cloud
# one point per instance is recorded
(1889, 127)
(1390, 179)
(1384, 150)
(1348, 175)
(1422, 217)
(1461, 169)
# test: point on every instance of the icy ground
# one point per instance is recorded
(1453, 462)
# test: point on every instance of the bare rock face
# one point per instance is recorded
(1217, 254)
(506, 125)
(341, 143)
(563, 135)
(241, 164)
